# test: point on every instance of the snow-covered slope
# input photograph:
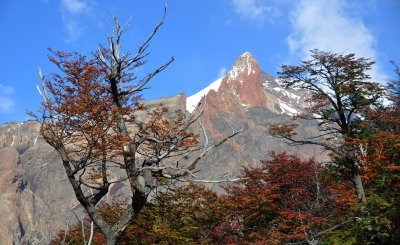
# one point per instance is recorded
(193, 100)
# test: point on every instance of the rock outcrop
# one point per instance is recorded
(33, 185)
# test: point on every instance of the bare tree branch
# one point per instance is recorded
(144, 45)
(150, 76)
(65, 233)
(205, 152)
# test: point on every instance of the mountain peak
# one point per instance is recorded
(245, 63)
(244, 59)
(246, 55)
(243, 80)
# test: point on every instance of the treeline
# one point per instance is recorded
(354, 199)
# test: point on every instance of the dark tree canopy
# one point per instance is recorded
(394, 84)
(339, 89)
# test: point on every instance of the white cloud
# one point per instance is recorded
(221, 72)
(6, 103)
(330, 25)
(252, 9)
(6, 90)
(74, 6)
(73, 13)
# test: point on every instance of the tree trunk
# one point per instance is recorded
(357, 182)
(111, 239)
(396, 220)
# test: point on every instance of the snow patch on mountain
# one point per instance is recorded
(287, 109)
(244, 62)
(285, 92)
(236, 70)
(193, 100)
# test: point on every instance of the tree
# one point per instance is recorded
(380, 157)
(176, 215)
(92, 116)
(339, 90)
(281, 201)
(394, 84)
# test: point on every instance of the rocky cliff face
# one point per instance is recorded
(35, 196)
(34, 193)
(250, 99)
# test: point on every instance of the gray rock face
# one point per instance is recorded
(35, 195)
(35, 188)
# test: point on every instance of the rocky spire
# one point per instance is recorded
(243, 81)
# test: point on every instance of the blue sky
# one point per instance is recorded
(205, 37)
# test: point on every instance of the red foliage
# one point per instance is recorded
(279, 201)
(380, 149)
